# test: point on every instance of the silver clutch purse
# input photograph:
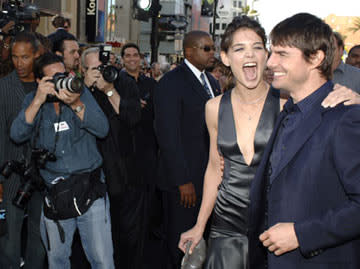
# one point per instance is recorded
(197, 258)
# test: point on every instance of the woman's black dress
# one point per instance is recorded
(228, 243)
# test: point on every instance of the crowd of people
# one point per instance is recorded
(256, 152)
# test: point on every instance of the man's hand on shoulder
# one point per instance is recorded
(339, 95)
(280, 238)
(187, 195)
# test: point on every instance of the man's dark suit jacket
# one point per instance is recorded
(12, 94)
(317, 188)
(180, 127)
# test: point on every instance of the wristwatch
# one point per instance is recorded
(78, 109)
(110, 93)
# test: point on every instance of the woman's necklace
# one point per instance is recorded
(249, 116)
(254, 101)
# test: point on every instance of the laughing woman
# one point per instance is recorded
(240, 123)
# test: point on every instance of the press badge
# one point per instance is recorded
(61, 126)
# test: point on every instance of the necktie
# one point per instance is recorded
(206, 87)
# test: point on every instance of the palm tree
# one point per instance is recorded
(356, 25)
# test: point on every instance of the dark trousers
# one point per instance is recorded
(129, 222)
(177, 219)
(10, 244)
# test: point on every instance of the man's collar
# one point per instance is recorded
(196, 71)
(307, 103)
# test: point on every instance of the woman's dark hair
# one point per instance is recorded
(240, 22)
(58, 21)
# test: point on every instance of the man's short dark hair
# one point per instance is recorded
(353, 48)
(43, 61)
(309, 34)
(26, 37)
(339, 40)
(129, 45)
(59, 45)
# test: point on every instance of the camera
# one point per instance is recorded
(72, 84)
(62, 81)
(110, 73)
(29, 173)
(14, 10)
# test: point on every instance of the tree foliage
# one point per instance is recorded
(356, 25)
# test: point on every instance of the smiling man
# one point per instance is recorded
(354, 56)
(305, 198)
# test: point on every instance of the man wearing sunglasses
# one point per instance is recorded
(183, 139)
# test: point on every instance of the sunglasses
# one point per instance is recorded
(206, 48)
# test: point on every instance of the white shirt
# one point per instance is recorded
(197, 74)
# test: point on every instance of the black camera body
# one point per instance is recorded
(110, 73)
(14, 10)
(62, 81)
(29, 172)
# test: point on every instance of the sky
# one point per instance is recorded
(274, 11)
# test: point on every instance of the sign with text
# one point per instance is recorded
(91, 19)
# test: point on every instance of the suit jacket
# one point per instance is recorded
(179, 103)
(317, 188)
(12, 95)
(348, 76)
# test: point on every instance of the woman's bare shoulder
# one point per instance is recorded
(213, 103)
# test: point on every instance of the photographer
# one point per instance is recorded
(75, 197)
(120, 102)
(13, 88)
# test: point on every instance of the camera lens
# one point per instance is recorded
(110, 73)
(72, 84)
(76, 85)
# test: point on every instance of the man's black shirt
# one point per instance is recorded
(29, 86)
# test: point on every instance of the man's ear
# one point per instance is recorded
(317, 59)
(37, 54)
(188, 52)
(224, 58)
(59, 53)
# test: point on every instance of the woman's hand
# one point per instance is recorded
(193, 235)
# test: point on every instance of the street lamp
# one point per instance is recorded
(144, 4)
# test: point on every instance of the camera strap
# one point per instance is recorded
(56, 139)
(33, 141)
